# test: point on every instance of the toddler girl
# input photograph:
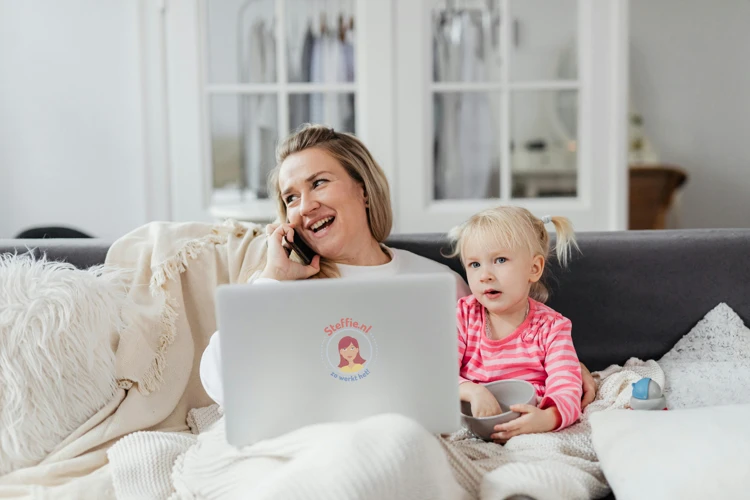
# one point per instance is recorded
(504, 329)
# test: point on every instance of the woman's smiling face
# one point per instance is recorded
(325, 204)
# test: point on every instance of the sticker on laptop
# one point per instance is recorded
(348, 350)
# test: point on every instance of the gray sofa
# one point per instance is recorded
(628, 294)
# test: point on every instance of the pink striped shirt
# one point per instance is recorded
(539, 351)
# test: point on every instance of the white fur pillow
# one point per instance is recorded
(59, 327)
(710, 365)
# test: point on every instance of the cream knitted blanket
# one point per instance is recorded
(387, 456)
(176, 269)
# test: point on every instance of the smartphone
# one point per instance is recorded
(301, 248)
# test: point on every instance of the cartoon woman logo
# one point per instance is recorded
(351, 361)
(349, 351)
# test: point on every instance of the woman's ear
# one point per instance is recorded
(537, 269)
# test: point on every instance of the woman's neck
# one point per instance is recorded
(370, 254)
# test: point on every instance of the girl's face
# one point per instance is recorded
(349, 353)
(325, 204)
(501, 278)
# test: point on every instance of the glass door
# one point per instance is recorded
(239, 75)
(513, 106)
(271, 66)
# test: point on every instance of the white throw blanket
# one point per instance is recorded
(386, 456)
(554, 465)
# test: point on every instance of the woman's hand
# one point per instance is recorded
(532, 420)
(589, 387)
(278, 264)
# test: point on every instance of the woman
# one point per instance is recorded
(330, 189)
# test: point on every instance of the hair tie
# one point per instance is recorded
(546, 219)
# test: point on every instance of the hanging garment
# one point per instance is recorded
(447, 161)
(317, 112)
(347, 100)
(258, 112)
(477, 139)
(299, 104)
(332, 61)
(466, 139)
(267, 117)
(249, 106)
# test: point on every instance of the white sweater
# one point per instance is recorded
(402, 262)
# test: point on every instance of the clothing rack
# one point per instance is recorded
(488, 18)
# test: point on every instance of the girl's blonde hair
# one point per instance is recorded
(516, 228)
(356, 159)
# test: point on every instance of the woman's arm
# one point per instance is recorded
(210, 367)
(210, 370)
(589, 387)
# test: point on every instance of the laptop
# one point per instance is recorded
(297, 353)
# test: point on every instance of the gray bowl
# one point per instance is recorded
(507, 393)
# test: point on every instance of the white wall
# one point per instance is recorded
(71, 120)
(690, 78)
(71, 145)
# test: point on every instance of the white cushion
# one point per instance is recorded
(710, 365)
(58, 331)
(698, 453)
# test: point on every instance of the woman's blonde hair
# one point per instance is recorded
(356, 159)
(517, 228)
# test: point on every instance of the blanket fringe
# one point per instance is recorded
(167, 271)
(171, 268)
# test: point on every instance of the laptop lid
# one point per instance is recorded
(304, 352)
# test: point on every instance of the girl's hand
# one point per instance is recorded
(483, 403)
(532, 420)
(278, 264)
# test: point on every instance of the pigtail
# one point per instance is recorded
(455, 238)
(566, 240)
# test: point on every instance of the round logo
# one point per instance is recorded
(349, 354)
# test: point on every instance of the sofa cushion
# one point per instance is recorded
(59, 327)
